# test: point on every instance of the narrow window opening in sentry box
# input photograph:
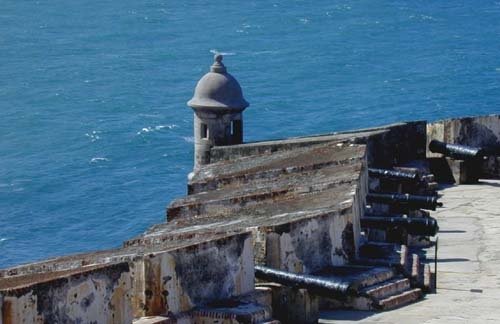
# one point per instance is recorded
(236, 128)
(204, 131)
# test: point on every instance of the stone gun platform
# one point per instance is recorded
(278, 197)
(468, 287)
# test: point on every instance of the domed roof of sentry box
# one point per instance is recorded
(218, 90)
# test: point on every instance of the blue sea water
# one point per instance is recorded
(95, 135)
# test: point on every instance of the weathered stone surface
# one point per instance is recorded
(481, 131)
(291, 305)
(267, 166)
(307, 200)
(229, 153)
(103, 294)
(173, 280)
(387, 144)
(179, 280)
(282, 187)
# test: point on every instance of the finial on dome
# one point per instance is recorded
(218, 66)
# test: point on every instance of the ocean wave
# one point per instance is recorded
(99, 160)
(245, 28)
(263, 52)
(422, 18)
(214, 51)
(189, 139)
(149, 115)
(150, 129)
(2, 239)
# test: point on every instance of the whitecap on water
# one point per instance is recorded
(149, 115)
(2, 239)
(189, 139)
(214, 51)
(150, 129)
(422, 17)
(99, 160)
(171, 126)
(263, 52)
(144, 130)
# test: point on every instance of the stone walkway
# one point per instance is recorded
(468, 264)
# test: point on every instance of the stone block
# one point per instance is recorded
(415, 269)
(291, 305)
(464, 171)
(232, 314)
(427, 278)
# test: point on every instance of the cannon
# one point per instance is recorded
(410, 201)
(457, 151)
(426, 226)
(323, 286)
(393, 175)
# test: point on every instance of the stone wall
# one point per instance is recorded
(387, 145)
(312, 244)
(177, 281)
(480, 131)
(100, 295)
(401, 143)
(152, 283)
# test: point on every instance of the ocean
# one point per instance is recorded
(95, 135)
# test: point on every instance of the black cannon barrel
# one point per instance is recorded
(314, 284)
(392, 174)
(412, 201)
(427, 226)
(456, 151)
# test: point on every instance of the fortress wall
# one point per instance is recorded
(233, 202)
(359, 203)
(101, 295)
(401, 143)
(227, 153)
(303, 205)
(480, 131)
(154, 283)
(331, 238)
(309, 245)
(68, 263)
(176, 281)
(388, 145)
